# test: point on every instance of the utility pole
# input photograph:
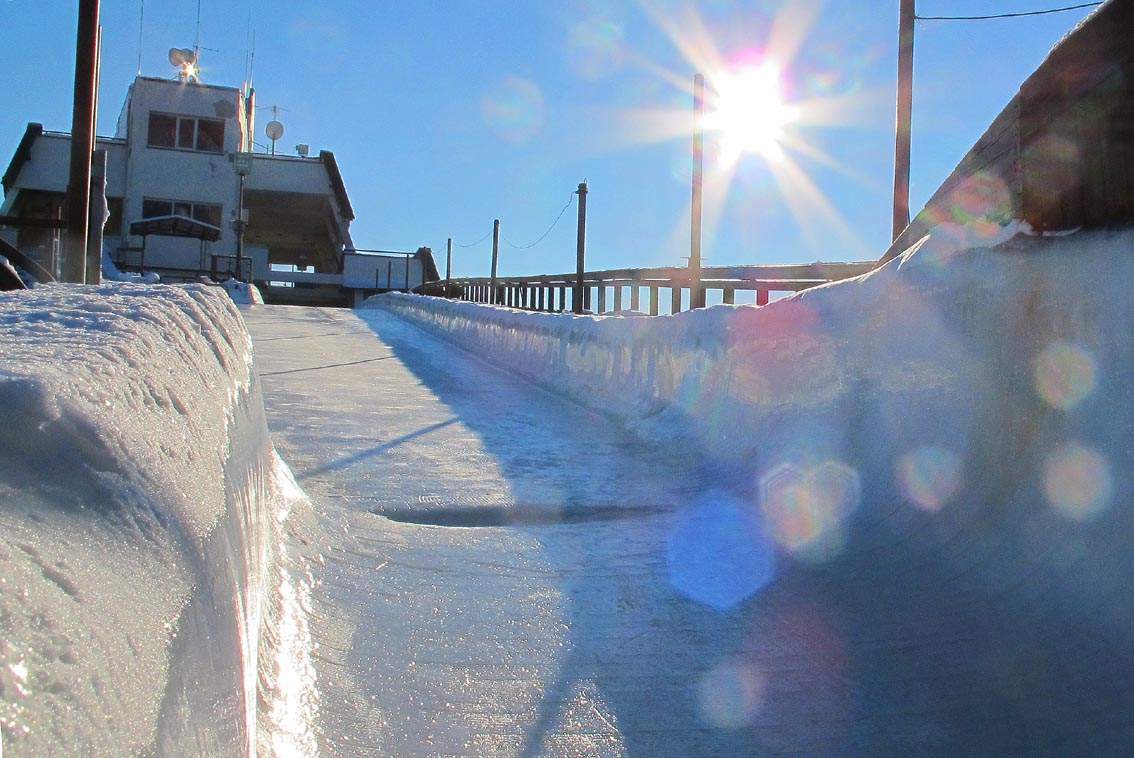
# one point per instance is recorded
(240, 227)
(242, 162)
(82, 143)
(906, 15)
(577, 297)
(448, 264)
(493, 296)
(696, 295)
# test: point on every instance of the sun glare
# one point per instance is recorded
(748, 111)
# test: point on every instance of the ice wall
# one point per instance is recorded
(940, 451)
(142, 577)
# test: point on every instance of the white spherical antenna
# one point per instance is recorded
(274, 130)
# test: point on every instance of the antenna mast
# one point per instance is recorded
(197, 41)
(141, 29)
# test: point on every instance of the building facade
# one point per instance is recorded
(174, 154)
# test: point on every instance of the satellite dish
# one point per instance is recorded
(274, 130)
(180, 56)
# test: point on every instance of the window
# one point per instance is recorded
(185, 127)
(155, 208)
(208, 213)
(113, 227)
(186, 133)
(163, 130)
(210, 135)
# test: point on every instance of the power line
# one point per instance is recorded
(473, 244)
(543, 236)
(1008, 15)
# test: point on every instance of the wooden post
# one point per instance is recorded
(728, 296)
(761, 297)
(904, 124)
(495, 257)
(602, 298)
(696, 294)
(653, 300)
(448, 262)
(562, 297)
(634, 296)
(618, 297)
(674, 297)
(82, 143)
(578, 299)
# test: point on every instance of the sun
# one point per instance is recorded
(747, 109)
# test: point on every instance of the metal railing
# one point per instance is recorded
(555, 293)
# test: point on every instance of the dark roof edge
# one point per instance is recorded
(22, 154)
(337, 184)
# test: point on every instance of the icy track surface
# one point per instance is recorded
(146, 600)
(888, 516)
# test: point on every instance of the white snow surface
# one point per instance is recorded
(146, 603)
(243, 292)
(112, 273)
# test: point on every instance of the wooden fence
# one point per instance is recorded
(604, 291)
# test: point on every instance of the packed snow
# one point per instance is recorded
(111, 272)
(144, 586)
(884, 515)
(243, 293)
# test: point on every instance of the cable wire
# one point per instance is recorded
(1007, 15)
(543, 236)
(473, 244)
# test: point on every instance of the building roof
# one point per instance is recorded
(22, 154)
(175, 226)
(337, 184)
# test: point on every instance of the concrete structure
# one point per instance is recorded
(175, 152)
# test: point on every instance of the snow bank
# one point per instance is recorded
(142, 579)
(242, 292)
(982, 372)
(112, 273)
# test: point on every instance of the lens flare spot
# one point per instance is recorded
(929, 477)
(1076, 480)
(595, 47)
(514, 109)
(730, 694)
(717, 554)
(807, 508)
(1065, 375)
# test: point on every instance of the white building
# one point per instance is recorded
(173, 155)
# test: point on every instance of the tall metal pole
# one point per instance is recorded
(448, 262)
(492, 296)
(82, 142)
(696, 296)
(580, 250)
(903, 128)
(240, 225)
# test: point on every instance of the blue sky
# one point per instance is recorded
(445, 115)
